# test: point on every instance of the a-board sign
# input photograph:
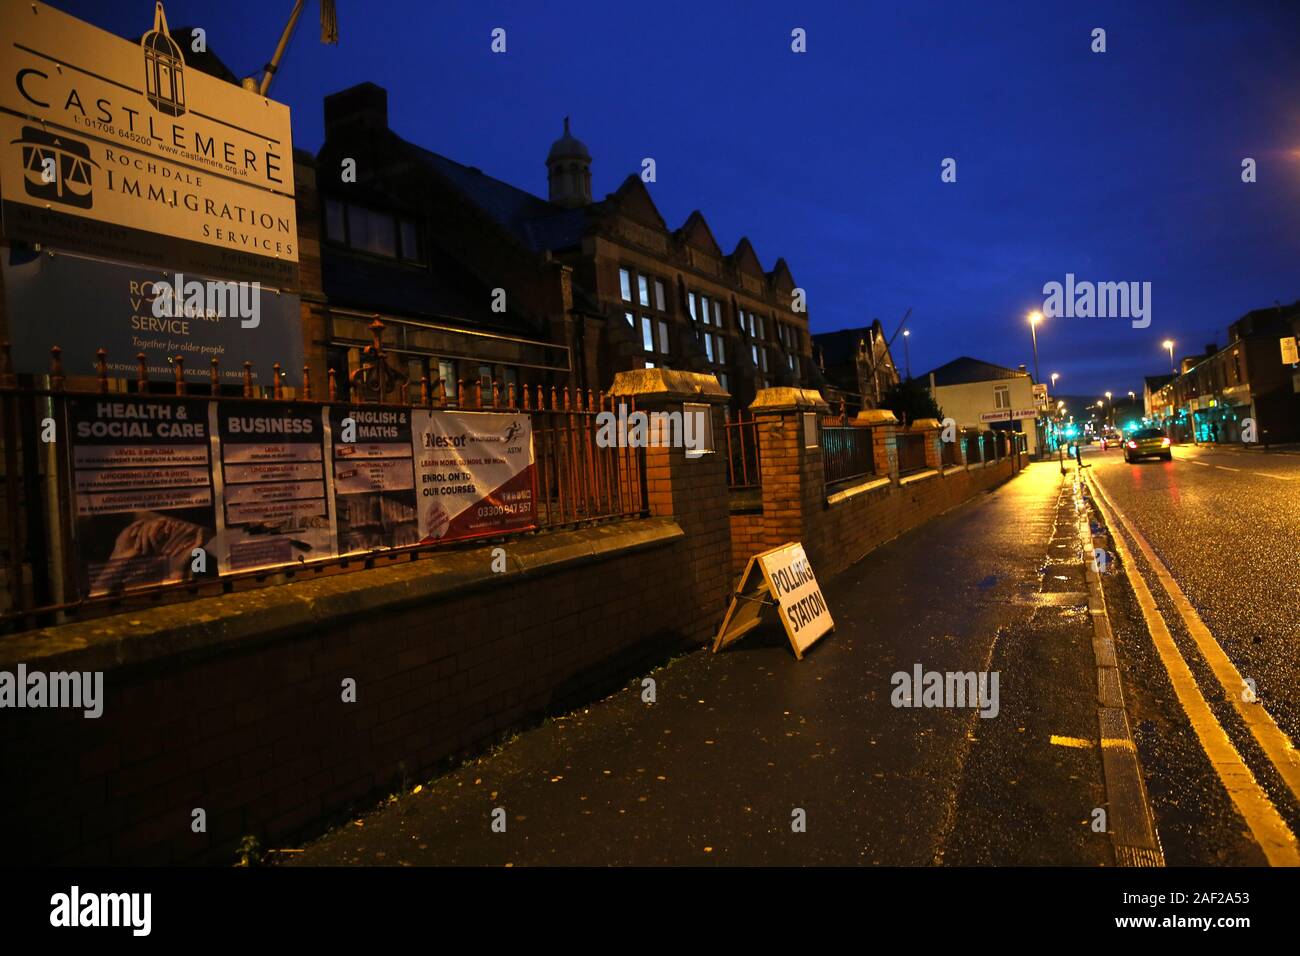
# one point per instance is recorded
(784, 577)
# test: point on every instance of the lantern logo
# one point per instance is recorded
(164, 67)
(56, 168)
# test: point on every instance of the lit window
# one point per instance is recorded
(722, 379)
(663, 337)
(690, 301)
(643, 287)
(647, 334)
(649, 364)
(659, 295)
(722, 356)
(708, 346)
(717, 313)
(625, 285)
(631, 319)
(754, 349)
(704, 303)
(447, 372)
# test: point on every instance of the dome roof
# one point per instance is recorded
(568, 147)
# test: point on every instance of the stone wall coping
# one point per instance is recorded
(926, 423)
(786, 398)
(877, 416)
(667, 384)
(247, 617)
(919, 476)
(862, 489)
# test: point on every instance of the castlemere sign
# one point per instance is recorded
(119, 150)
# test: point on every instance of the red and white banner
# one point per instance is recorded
(474, 472)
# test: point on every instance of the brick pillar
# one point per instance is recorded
(931, 427)
(793, 476)
(884, 442)
(691, 489)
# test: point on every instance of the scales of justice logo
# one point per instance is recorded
(58, 168)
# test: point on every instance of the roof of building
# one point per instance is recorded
(841, 347)
(568, 146)
(1157, 382)
(965, 370)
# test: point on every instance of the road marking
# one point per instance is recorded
(1226, 468)
(1201, 463)
(1266, 824)
(1077, 742)
(1277, 746)
(1265, 474)
(1132, 825)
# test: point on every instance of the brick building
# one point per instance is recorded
(1215, 393)
(856, 365)
(591, 287)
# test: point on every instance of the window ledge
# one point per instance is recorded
(920, 476)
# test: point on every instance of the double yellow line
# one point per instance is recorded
(1266, 824)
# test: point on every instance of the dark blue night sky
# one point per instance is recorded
(1122, 166)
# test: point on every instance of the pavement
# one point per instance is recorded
(751, 757)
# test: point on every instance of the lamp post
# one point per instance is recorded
(1110, 412)
(907, 354)
(1034, 319)
(1169, 347)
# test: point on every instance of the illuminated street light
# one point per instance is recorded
(1034, 319)
(1169, 347)
(907, 354)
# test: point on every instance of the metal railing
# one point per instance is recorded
(743, 470)
(578, 481)
(847, 450)
(911, 451)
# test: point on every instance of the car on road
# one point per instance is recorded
(1147, 443)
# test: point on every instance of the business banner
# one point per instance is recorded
(474, 472)
(83, 304)
(374, 478)
(142, 491)
(272, 488)
(117, 149)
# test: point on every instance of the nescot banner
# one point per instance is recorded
(475, 474)
(120, 150)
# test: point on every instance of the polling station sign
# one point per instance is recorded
(142, 491)
(86, 304)
(119, 149)
(474, 474)
(782, 577)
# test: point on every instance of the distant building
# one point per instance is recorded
(1153, 388)
(977, 394)
(856, 365)
(1217, 392)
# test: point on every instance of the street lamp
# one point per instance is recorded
(1034, 319)
(1055, 376)
(1169, 347)
(907, 353)
(1110, 415)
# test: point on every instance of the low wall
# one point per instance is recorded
(234, 704)
(859, 518)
